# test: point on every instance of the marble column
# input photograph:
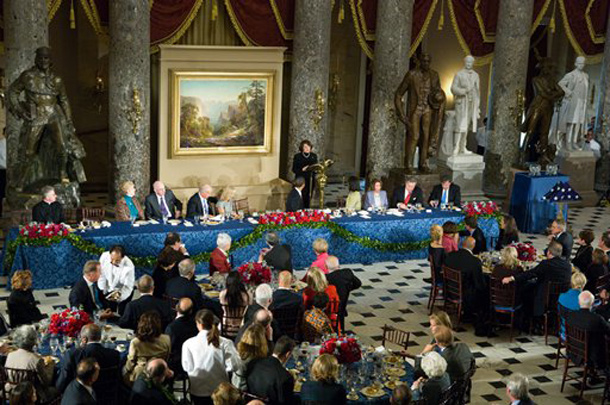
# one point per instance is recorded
(310, 71)
(602, 171)
(128, 73)
(391, 62)
(26, 28)
(511, 53)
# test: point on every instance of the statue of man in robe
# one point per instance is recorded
(575, 85)
(466, 92)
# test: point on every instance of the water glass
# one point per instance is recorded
(197, 219)
(53, 344)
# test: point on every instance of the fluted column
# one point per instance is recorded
(511, 53)
(602, 171)
(26, 28)
(129, 72)
(391, 62)
(310, 70)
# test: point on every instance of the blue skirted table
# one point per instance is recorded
(531, 212)
(60, 264)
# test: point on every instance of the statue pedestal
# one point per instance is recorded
(397, 179)
(580, 166)
(467, 172)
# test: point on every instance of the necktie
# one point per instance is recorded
(96, 296)
(407, 198)
(445, 198)
(204, 205)
(163, 206)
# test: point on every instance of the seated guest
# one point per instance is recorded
(208, 358)
(604, 242)
(263, 296)
(277, 256)
(24, 358)
(430, 389)
(23, 394)
(315, 322)
(320, 248)
(294, 202)
(264, 318)
(117, 277)
(323, 387)
(450, 237)
(597, 269)
(317, 283)
(284, 297)
(80, 391)
(517, 389)
(268, 378)
(473, 230)
(226, 204)
(376, 198)
(445, 193)
(437, 319)
(146, 302)
(226, 394)
(90, 347)
(150, 387)
(234, 300)
(436, 252)
(401, 395)
(508, 232)
(179, 330)
(162, 203)
(21, 304)
(166, 268)
(457, 355)
(149, 342)
(185, 285)
(569, 299)
(87, 295)
(200, 204)
(345, 282)
(252, 345)
(509, 264)
(353, 202)
(559, 234)
(220, 261)
(128, 207)
(49, 210)
(596, 327)
(409, 194)
(582, 258)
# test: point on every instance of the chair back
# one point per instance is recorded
(107, 385)
(242, 205)
(553, 291)
(93, 214)
(15, 376)
(452, 287)
(288, 318)
(332, 310)
(449, 394)
(71, 215)
(577, 344)
(232, 320)
(464, 384)
(502, 296)
(601, 283)
(432, 271)
(395, 336)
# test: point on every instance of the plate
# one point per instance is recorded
(142, 222)
(373, 392)
(392, 359)
(49, 359)
(174, 221)
(393, 384)
(206, 286)
(213, 294)
(398, 372)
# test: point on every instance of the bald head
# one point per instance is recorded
(205, 190)
(263, 317)
(146, 284)
(469, 243)
(586, 300)
(285, 279)
(91, 333)
(332, 263)
(158, 370)
(184, 306)
(159, 188)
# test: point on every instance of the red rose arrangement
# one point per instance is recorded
(290, 218)
(69, 322)
(43, 231)
(481, 208)
(254, 273)
(526, 251)
(345, 349)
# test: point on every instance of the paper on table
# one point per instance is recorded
(187, 224)
(253, 221)
(154, 221)
(106, 224)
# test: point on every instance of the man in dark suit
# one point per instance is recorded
(181, 329)
(458, 355)
(604, 243)
(91, 335)
(294, 202)
(278, 257)
(162, 203)
(445, 193)
(344, 281)
(80, 391)
(472, 229)
(186, 286)
(145, 303)
(268, 377)
(284, 297)
(559, 234)
(517, 389)
(85, 293)
(49, 210)
(200, 204)
(147, 389)
(409, 194)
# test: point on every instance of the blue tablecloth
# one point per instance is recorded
(61, 264)
(531, 212)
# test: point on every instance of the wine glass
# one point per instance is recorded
(113, 340)
(196, 219)
(53, 344)
(62, 347)
(129, 336)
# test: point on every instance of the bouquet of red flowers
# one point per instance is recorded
(69, 322)
(481, 208)
(526, 251)
(290, 218)
(254, 273)
(345, 349)
(43, 231)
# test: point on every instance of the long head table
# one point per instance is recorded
(60, 264)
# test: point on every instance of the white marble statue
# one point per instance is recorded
(575, 84)
(466, 93)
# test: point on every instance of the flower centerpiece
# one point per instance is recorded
(486, 209)
(69, 322)
(291, 218)
(525, 251)
(35, 231)
(345, 349)
(254, 273)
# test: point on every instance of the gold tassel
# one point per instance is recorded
(72, 16)
(441, 19)
(552, 22)
(214, 10)
(341, 12)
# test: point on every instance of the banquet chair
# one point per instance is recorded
(562, 314)
(93, 214)
(601, 283)
(552, 297)
(243, 205)
(16, 375)
(107, 385)
(71, 215)
(437, 287)
(453, 291)
(464, 385)
(288, 319)
(231, 321)
(577, 352)
(333, 314)
(395, 336)
(503, 299)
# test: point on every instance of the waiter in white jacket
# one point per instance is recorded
(118, 277)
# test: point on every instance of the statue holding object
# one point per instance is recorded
(575, 85)
(466, 92)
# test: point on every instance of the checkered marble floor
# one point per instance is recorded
(395, 293)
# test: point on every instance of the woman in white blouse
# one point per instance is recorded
(376, 198)
(208, 358)
(117, 278)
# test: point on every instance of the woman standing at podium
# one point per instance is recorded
(300, 163)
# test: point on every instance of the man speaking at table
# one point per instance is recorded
(162, 203)
(445, 193)
(409, 194)
(49, 210)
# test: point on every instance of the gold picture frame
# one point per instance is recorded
(220, 112)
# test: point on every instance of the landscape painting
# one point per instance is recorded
(221, 113)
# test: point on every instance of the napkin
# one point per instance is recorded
(253, 221)
(217, 218)
(364, 212)
(187, 224)
(154, 222)
(106, 224)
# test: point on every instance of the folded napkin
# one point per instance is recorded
(106, 224)
(253, 221)
(154, 222)
(187, 224)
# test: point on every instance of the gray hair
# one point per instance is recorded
(517, 384)
(586, 299)
(46, 190)
(555, 249)
(332, 263)
(186, 268)
(91, 267)
(205, 188)
(25, 337)
(146, 284)
(91, 332)
(433, 364)
(272, 238)
(263, 295)
(223, 240)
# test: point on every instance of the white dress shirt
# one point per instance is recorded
(121, 278)
(207, 366)
(205, 207)
(162, 202)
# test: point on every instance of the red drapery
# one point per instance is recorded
(585, 23)
(262, 22)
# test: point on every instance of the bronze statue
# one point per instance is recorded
(425, 108)
(539, 115)
(52, 152)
